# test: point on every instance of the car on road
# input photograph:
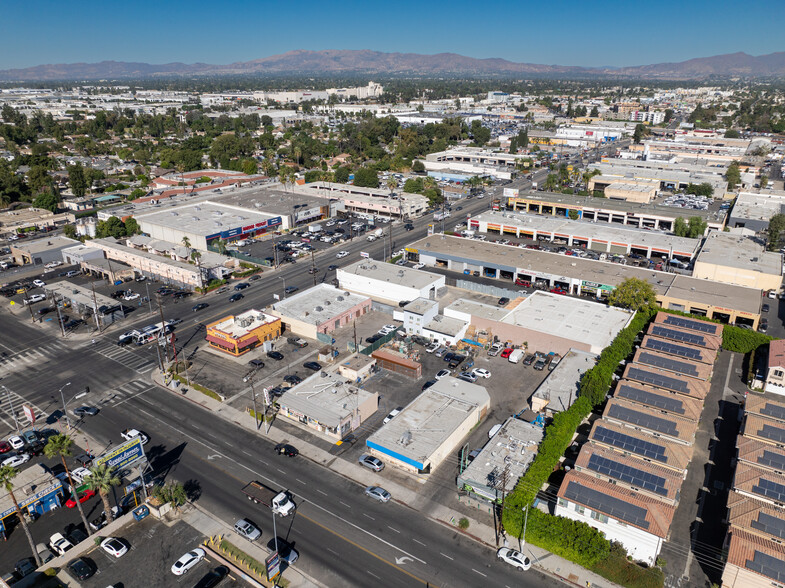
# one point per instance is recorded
(129, 434)
(286, 550)
(312, 365)
(15, 460)
(241, 286)
(113, 546)
(85, 411)
(235, 297)
(256, 364)
(59, 544)
(213, 577)
(393, 413)
(341, 254)
(506, 352)
(290, 289)
(83, 497)
(35, 298)
(82, 568)
(514, 558)
(39, 283)
(276, 355)
(254, 277)
(408, 226)
(481, 373)
(124, 341)
(418, 266)
(286, 449)
(130, 296)
(313, 270)
(442, 374)
(247, 529)
(371, 462)
(187, 561)
(200, 306)
(378, 493)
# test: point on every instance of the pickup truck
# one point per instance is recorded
(278, 501)
(129, 434)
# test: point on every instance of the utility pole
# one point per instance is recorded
(95, 309)
(29, 306)
(149, 301)
(313, 268)
(59, 316)
(163, 327)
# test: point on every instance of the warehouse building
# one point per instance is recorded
(387, 282)
(370, 202)
(428, 430)
(733, 259)
(41, 251)
(752, 210)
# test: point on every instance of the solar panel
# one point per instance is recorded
(773, 433)
(680, 367)
(772, 460)
(658, 380)
(609, 505)
(631, 444)
(625, 473)
(684, 323)
(669, 403)
(774, 411)
(769, 524)
(771, 489)
(642, 419)
(769, 566)
(672, 348)
(691, 338)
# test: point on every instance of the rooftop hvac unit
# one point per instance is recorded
(340, 299)
(327, 303)
(406, 438)
(318, 309)
(346, 293)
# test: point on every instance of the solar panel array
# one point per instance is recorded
(673, 349)
(610, 505)
(774, 411)
(684, 323)
(631, 444)
(769, 524)
(773, 460)
(771, 489)
(680, 367)
(658, 380)
(642, 419)
(625, 473)
(669, 403)
(773, 433)
(690, 338)
(769, 566)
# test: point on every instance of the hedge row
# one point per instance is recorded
(742, 340)
(616, 568)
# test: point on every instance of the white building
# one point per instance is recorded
(387, 282)
(417, 314)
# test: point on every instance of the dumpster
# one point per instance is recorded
(141, 512)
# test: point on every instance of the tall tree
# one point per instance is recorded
(633, 294)
(77, 180)
(776, 231)
(733, 175)
(102, 479)
(60, 446)
(7, 474)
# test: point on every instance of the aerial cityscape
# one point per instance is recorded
(364, 297)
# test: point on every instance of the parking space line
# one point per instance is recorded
(346, 505)
(447, 556)
(393, 528)
(321, 492)
(478, 572)
(301, 482)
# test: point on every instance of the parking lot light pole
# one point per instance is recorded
(11, 404)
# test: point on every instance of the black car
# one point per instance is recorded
(332, 267)
(82, 568)
(313, 270)
(276, 355)
(241, 286)
(254, 277)
(180, 295)
(213, 577)
(277, 391)
(456, 360)
(764, 308)
(373, 338)
(125, 341)
(291, 289)
(236, 297)
(117, 294)
(312, 365)
(200, 306)
(292, 379)
(48, 309)
(70, 325)
(287, 450)
(74, 534)
(408, 226)
(256, 364)
(448, 356)
(528, 360)
(85, 411)
(428, 384)
(503, 301)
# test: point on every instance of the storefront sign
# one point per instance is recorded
(123, 455)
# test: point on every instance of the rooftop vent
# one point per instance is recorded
(318, 309)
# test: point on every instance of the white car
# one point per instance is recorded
(15, 460)
(16, 442)
(59, 544)
(129, 434)
(432, 347)
(78, 475)
(418, 266)
(341, 254)
(386, 329)
(442, 374)
(35, 298)
(393, 413)
(187, 561)
(39, 283)
(114, 547)
(330, 223)
(131, 296)
(514, 558)
(481, 373)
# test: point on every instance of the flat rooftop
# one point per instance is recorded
(420, 306)
(560, 388)
(80, 294)
(204, 218)
(759, 207)
(390, 273)
(474, 308)
(110, 243)
(430, 419)
(318, 304)
(328, 399)
(739, 252)
(29, 483)
(639, 238)
(515, 445)
(46, 244)
(572, 318)
(446, 325)
(243, 323)
(269, 199)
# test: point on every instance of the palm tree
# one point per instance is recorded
(392, 185)
(197, 258)
(7, 473)
(60, 446)
(551, 182)
(102, 479)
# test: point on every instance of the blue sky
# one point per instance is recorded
(565, 32)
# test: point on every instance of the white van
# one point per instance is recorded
(516, 355)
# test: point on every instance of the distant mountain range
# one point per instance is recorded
(375, 62)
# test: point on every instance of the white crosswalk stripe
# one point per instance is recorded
(10, 403)
(34, 355)
(126, 391)
(130, 359)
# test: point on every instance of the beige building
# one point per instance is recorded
(24, 219)
(632, 191)
(737, 260)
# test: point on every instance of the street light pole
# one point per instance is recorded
(284, 285)
(65, 409)
(11, 404)
(525, 520)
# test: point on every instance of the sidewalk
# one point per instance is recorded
(545, 561)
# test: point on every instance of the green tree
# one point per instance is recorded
(703, 189)
(137, 193)
(640, 132)
(111, 227)
(418, 167)
(69, 231)
(573, 214)
(413, 186)
(776, 231)
(696, 227)
(342, 175)
(733, 175)
(250, 167)
(481, 134)
(764, 180)
(171, 493)
(7, 474)
(634, 294)
(102, 479)
(595, 112)
(680, 228)
(48, 200)
(366, 177)
(131, 226)
(551, 182)
(732, 134)
(77, 180)
(38, 178)
(61, 446)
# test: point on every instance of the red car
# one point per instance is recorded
(520, 282)
(506, 352)
(86, 495)
(558, 291)
(5, 447)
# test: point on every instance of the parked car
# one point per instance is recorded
(100, 521)
(247, 529)
(59, 544)
(213, 577)
(481, 373)
(529, 359)
(468, 377)
(83, 497)
(276, 355)
(378, 493)
(187, 561)
(371, 462)
(286, 449)
(503, 301)
(312, 365)
(514, 558)
(82, 568)
(505, 354)
(393, 413)
(442, 374)
(16, 460)
(432, 347)
(286, 550)
(114, 547)
(428, 384)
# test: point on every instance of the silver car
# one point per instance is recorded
(371, 462)
(247, 529)
(378, 493)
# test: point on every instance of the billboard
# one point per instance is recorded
(273, 565)
(510, 193)
(124, 455)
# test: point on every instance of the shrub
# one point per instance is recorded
(463, 524)
(617, 569)
(742, 340)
